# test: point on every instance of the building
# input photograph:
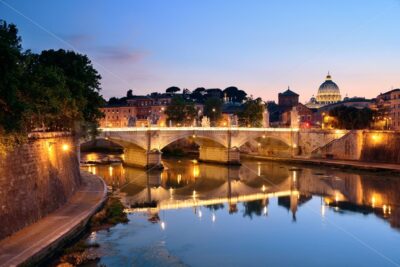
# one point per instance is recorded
(328, 93)
(387, 107)
(140, 111)
(288, 98)
(289, 109)
(137, 111)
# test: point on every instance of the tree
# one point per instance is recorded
(234, 94)
(12, 107)
(351, 118)
(180, 111)
(55, 90)
(129, 93)
(252, 113)
(213, 110)
(82, 82)
(198, 94)
(172, 90)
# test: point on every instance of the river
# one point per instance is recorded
(259, 214)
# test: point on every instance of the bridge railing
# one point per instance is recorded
(157, 128)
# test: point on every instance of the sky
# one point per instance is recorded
(261, 46)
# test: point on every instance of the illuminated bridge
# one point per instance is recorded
(142, 146)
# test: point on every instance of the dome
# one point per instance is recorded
(328, 92)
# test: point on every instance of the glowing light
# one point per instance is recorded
(323, 210)
(65, 147)
(194, 136)
(294, 176)
(110, 170)
(213, 217)
(373, 200)
(336, 197)
(179, 178)
(259, 144)
(265, 210)
(263, 136)
(200, 214)
(162, 224)
(384, 208)
(376, 138)
(196, 171)
(194, 193)
(263, 188)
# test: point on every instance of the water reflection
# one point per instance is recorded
(189, 184)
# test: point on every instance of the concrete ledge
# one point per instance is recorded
(360, 165)
(39, 240)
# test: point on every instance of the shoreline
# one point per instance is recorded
(343, 164)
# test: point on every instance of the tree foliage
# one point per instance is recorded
(252, 113)
(180, 111)
(213, 109)
(351, 118)
(53, 90)
(234, 94)
(172, 89)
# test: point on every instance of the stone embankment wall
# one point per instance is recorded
(36, 178)
(373, 146)
(381, 146)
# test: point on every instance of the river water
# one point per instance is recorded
(258, 214)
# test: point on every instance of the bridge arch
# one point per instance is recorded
(264, 136)
(199, 138)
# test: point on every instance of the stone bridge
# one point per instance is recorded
(142, 146)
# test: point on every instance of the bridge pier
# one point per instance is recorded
(219, 155)
(141, 158)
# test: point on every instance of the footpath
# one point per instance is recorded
(362, 165)
(35, 242)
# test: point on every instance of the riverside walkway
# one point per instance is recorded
(34, 242)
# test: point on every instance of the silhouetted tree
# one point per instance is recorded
(12, 107)
(252, 113)
(213, 109)
(351, 118)
(234, 94)
(173, 89)
(180, 111)
(129, 93)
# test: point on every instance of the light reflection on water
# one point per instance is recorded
(261, 213)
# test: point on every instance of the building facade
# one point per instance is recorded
(387, 107)
(140, 111)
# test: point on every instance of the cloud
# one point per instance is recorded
(119, 54)
(78, 39)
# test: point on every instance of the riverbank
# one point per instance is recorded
(39, 240)
(347, 164)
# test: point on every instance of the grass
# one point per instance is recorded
(112, 214)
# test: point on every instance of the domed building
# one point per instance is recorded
(328, 93)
